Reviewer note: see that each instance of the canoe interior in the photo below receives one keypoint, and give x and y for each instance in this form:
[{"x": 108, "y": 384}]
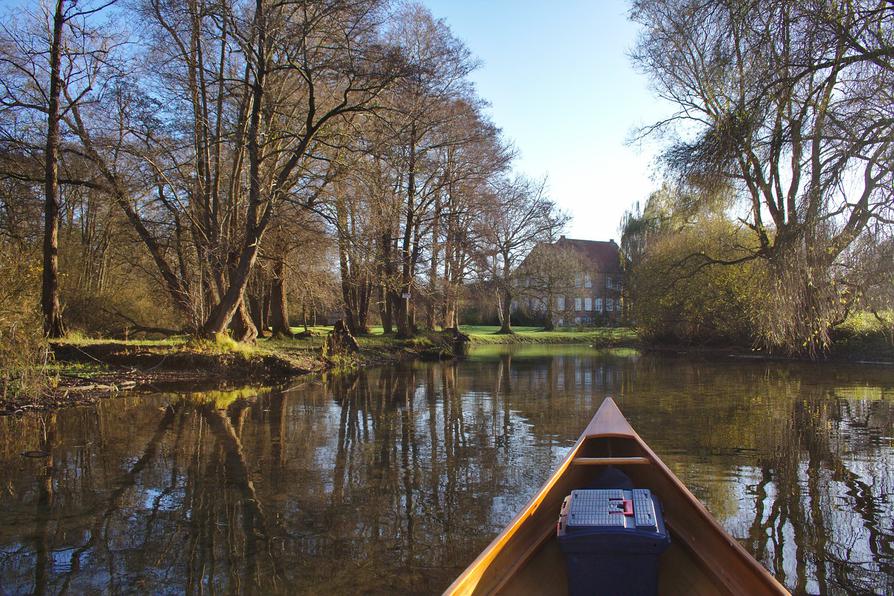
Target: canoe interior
[{"x": 701, "y": 559}]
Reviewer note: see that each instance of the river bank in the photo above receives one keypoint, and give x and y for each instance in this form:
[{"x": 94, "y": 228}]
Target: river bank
[{"x": 82, "y": 370}]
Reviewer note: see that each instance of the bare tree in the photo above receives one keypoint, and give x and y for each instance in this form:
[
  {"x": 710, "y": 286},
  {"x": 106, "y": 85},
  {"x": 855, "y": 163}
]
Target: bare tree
[
  {"x": 48, "y": 64},
  {"x": 549, "y": 271},
  {"x": 520, "y": 218},
  {"x": 791, "y": 104},
  {"x": 419, "y": 123}
]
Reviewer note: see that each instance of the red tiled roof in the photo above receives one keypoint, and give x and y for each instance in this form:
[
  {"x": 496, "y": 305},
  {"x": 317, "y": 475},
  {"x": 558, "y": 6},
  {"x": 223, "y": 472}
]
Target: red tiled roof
[{"x": 604, "y": 255}]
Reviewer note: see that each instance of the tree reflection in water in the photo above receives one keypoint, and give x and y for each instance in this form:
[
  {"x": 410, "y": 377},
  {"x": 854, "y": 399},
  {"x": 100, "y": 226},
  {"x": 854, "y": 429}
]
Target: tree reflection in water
[{"x": 393, "y": 479}]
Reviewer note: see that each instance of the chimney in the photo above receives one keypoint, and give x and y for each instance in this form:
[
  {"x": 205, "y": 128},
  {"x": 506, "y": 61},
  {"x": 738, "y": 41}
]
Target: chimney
[{"x": 562, "y": 238}]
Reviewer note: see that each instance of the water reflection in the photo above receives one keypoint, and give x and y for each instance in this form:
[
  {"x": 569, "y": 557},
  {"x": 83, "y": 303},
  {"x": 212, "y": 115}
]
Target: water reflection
[{"x": 392, "y": 480}]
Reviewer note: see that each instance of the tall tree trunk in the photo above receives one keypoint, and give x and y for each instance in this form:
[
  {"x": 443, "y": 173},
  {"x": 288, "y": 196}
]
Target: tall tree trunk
[
  {"x": 385, "y": 310},
  {"x": 349, "y": 282},
  {"x": 279, "y": 306},
  {"x": 52, "y": 310},
  {"x": 549, "y": 305},
  {"x": 363, "y": 293},
  {"x": 386, "y": 271},
  {"x": 241, "y": 324},
  {"x": 450, "y": 310},
  {"x": 505, "y": 298},
  {"x": 232, "y": 299},
  {"x": 433, "y": 291},
  {"x": 449, "y": 303},
  {"x": 548, "y": 323},
  {"x": 256, "y": 303},
  {"x": 402, "y": 312}
]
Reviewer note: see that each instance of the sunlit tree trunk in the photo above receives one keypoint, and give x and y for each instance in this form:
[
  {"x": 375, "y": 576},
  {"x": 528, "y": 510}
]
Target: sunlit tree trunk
[
  {"x": 279, "y": 305},
  {"x": 52, "y": 310}
]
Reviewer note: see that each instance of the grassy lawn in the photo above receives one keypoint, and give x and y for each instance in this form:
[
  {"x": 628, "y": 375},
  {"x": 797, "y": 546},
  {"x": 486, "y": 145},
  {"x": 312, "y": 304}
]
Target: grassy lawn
[
  {"x": 486, "y": 334},
  {"x": 479, "y": 334}
]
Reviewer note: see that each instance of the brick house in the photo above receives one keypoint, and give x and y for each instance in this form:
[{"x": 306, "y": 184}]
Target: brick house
[{"x": 591, "y": 295}]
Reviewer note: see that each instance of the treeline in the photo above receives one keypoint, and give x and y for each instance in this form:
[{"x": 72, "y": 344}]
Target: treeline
[
  {"x": 778, "y": 220},
  {"x": 233, "y": 166}
]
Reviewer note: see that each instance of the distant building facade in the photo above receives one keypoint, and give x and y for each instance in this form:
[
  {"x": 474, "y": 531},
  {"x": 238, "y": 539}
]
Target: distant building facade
[{"x": 587, "y": 291}]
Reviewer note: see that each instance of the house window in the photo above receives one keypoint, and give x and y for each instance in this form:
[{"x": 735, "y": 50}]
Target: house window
[
  {"x": 598, "y": 304},
  {"x": 608, "y": 282},
  {"x": 609, "y": 304},
  {"x": 577, "y": 278},
  {"x": 560, "y": 302},
  {"x": 588, "y": 303},
  {"x": 577, "y": 304},
  {"x": 588, "y": 283}
]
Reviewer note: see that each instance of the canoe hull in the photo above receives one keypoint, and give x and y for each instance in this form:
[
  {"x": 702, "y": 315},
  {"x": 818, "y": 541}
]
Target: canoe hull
[{"x": 703, "y": 559}]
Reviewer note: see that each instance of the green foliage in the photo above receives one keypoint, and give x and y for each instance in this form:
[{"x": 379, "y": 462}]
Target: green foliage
[
  {"x": 680, "y": 295},
  {"x": 867, "y": 323},
  {"x": 865, "y": 335}
]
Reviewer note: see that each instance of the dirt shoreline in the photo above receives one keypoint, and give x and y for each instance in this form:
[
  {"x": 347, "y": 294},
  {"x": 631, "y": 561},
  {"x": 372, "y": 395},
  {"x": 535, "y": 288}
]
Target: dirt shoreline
[{"x": 107, "y": 369}]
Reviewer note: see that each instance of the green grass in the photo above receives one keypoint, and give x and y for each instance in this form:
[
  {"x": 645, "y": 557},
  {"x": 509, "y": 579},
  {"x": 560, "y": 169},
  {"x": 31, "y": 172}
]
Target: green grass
[
  {"x": 866, "y": 324},
  {"x": 224, "y": 344},
  {"x": 863, "y": 336},
  {"x": 485, "y": 334},
  {"x": 373, "y": 344},
  {"x": 76, "y": 338}
]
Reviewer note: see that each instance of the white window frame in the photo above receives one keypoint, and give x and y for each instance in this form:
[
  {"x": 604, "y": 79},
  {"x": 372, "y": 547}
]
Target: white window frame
[
  {"x": 588, "y": 303},
  {"x": 588, "y": 282},
  {"x": 577, "y": 304},
  {"x": 560, "y": 302},
  {"x": 598, "y": 304},
  {"x": 609, "y": 305}
]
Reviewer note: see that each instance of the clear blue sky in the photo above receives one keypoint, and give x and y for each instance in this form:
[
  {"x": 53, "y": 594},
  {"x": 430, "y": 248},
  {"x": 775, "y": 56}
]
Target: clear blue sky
[{"x": 565, "y": 93}]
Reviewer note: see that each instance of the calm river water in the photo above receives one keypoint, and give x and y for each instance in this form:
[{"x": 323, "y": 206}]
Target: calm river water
[{"x": 393, "y": 479}]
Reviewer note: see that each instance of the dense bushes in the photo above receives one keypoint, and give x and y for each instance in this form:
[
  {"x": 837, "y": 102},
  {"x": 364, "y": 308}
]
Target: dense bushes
[
  {"x": 693, "y": 277},
  {"x": 22, "y": 346},
  {"x": 680, "y": 296}
]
